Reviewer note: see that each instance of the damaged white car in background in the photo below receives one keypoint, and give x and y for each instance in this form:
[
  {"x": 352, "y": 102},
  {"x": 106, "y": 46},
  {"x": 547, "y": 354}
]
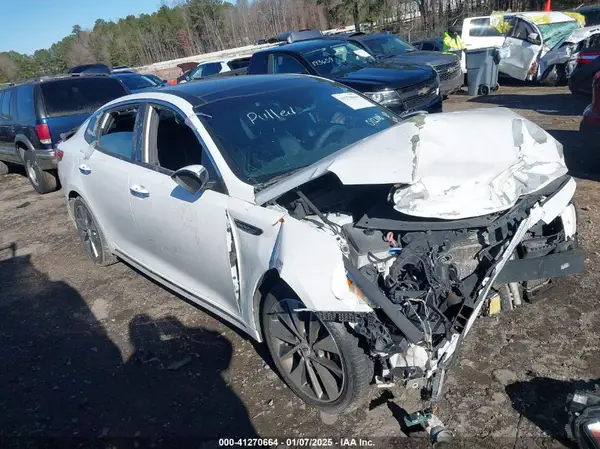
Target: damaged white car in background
[
  {"x": 538, "y": 45},
  {"x": 359, "y": 246}
]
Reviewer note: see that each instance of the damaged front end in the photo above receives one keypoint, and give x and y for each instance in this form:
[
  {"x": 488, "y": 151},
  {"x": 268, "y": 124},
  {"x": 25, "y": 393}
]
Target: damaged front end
[
  {"x": 427, "y": 280},
  {"x": 424, "y": 262}
]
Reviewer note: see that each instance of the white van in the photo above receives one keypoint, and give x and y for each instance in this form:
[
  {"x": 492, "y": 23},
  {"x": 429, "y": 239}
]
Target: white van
[{"x": 531, "y": 37}]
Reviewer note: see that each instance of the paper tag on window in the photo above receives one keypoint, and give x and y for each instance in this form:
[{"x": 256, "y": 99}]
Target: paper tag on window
[
  {"x": 353, "y": 100},
  {"x": 361, "y": 53}
]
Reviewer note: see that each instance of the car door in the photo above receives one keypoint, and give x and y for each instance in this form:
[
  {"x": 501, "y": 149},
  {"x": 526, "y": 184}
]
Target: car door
[
  {"x": 522, "y": 48},
  {"x": 2, "y": 131},
  {"x": 182, "y": 238},
  {"x": 104, "y": 167},
  {"x": 7, "y": 126}
]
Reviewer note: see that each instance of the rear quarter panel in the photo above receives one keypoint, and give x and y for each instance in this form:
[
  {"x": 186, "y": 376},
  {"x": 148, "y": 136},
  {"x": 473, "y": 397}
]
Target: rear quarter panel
[{"x": 68, "y": 172}]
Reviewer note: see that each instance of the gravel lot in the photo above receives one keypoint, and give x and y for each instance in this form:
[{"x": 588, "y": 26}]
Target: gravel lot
[{"x": 89, "y": 352}]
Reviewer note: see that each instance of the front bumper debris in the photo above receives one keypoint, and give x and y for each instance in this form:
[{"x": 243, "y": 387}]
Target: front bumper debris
[{"x": 551, "y": 266}]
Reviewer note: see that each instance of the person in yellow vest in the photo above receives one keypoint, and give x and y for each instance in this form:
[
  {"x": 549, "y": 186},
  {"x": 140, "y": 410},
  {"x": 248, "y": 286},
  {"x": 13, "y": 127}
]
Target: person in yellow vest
[{"x": 452, "y": 39}]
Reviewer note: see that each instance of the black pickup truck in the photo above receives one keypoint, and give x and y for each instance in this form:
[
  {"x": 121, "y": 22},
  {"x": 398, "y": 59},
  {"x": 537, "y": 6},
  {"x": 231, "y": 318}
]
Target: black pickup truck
[{"x": 403, "y": 88}]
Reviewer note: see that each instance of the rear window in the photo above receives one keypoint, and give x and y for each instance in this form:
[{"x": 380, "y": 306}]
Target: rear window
[
  {"x": 238, "y": 63},
  {"x": 482, "y": 28},
  {"x": 79, "y": 95}
]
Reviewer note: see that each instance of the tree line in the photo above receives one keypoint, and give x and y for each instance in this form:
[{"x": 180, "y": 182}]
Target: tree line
[{"x": 192, "y": 27}]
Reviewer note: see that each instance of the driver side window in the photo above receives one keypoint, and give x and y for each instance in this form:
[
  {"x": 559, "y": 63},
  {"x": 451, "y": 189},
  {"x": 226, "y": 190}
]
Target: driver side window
[
  {"x": 173, "y": 145},
  {"x": 115, "y": 136},
  {"x": 521, "y": 30}
]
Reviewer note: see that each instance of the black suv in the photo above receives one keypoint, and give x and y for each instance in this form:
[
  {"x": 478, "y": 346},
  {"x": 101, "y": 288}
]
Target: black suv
[
  {"x": 403, "y": 88},
  {"x": 33, "y": 115}
]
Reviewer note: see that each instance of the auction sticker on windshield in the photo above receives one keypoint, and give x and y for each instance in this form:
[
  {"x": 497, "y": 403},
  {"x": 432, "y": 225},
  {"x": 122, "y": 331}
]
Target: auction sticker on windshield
[
  {"x": 361, "y": 53},
  {"x": 353, "y": 100}
]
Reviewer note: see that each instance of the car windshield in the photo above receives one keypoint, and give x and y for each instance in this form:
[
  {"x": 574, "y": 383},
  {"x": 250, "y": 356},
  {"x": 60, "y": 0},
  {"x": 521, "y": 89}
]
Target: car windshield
[
  {"x": 137, "y": 82},
  {"x": 387, "y": 45},
  {"x": 338, "y": 58},
  {"x": 554, "y": 34},
  {"x": 269, "y": 129}
]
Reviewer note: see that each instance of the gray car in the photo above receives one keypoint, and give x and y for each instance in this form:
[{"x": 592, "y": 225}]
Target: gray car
[{"x": 393, "y": 49}]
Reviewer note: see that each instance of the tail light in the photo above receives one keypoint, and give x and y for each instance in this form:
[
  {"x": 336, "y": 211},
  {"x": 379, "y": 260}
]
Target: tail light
[
  {"x": 172, "y": 82},
  {"x": 43, "y": 132},
  {"x": 585, "y": 56},
  {"x": 59, "y": 155}
]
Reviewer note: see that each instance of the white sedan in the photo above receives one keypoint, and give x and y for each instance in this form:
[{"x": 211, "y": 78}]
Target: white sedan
[{"x": 359, "y": 246}]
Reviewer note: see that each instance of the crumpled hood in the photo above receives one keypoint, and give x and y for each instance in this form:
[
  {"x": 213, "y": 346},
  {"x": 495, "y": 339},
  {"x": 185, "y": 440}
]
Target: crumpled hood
[
  {"x": 582, "y": 33},
  {"x": 453, "y": 165}
]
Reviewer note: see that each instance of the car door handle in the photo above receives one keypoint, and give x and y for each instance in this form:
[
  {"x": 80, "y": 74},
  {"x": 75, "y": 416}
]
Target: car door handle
[
  {"x": 139, "y": 191},
  {"x": 84, "y": 169}
]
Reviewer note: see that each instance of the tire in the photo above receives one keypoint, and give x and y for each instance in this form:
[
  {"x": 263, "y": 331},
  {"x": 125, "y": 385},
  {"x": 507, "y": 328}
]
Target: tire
[
  {"x": 92, "y": 237},
  {"x": 42, "y": 181},
  {"x": 554, "y": 76},
  {"x": 3, "y": 168},
  {"x": 349, "y": 369},
  {"x": 484, "y": 89}
]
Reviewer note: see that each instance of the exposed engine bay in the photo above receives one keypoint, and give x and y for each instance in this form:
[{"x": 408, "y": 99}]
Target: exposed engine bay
[{"x": 428, "y": 279}]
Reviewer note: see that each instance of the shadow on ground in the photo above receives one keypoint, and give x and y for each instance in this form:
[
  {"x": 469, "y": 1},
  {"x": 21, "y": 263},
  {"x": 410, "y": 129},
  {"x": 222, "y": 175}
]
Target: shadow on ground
[
  {"x": 542, "y": 401},
  {"x": 564, "y": 104},
  {"x": 62, "y": 376}
]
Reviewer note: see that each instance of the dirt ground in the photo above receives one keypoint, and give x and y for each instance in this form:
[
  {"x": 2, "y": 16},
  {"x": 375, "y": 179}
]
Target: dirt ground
[{"x": 87, "y": 353}]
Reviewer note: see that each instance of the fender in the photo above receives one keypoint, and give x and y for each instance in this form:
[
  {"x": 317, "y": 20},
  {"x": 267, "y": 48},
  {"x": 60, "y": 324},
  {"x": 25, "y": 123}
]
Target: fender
[
  {"x": 24, "y": 140},
  {"x": 308, "y": 259}
]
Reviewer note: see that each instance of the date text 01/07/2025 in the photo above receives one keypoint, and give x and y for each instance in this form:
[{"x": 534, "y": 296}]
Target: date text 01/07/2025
[{"x": 296, "y": 442}]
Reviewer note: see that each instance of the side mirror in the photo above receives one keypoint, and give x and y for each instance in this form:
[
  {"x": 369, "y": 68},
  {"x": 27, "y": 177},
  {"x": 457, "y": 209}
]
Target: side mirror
[
  {"x": 192, "y": 178},
  {"x": 533, "y": 38}
]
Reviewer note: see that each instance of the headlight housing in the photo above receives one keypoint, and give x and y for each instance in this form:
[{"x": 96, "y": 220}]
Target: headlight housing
[
  {"x": 569, "y": 220},
  {"x": 384, "y": 96}
]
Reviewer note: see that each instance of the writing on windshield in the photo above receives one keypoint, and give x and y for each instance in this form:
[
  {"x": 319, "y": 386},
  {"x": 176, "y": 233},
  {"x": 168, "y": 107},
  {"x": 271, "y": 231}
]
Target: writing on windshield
[
  {"x": 338, "y": 58},
  {"x": 272, "y": 128}
]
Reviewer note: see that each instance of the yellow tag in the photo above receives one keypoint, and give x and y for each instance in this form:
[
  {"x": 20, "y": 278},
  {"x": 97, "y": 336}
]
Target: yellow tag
[{"x": 495, "y": 304}]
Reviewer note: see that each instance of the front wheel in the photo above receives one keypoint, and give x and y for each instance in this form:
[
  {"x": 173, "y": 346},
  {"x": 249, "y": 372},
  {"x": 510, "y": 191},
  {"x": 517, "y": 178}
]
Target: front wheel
[{"x": 321, "y": 362}]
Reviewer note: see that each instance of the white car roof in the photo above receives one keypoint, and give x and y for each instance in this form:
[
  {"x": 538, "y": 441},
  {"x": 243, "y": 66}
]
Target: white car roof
[{"x": 552, "y": 17}]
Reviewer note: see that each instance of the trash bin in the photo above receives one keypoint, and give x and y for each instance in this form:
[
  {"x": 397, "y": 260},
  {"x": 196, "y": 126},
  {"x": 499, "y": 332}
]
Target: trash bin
[{"x": 482, "y": 70}]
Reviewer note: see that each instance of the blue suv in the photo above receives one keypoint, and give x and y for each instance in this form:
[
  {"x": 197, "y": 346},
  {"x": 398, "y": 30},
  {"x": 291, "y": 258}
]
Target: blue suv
[{"x": 34, "y": 114}]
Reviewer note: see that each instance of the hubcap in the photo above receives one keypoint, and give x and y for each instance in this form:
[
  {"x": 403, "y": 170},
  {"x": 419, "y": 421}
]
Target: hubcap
[
  {"x": 31, "y": 173},
  {"x": 306, "y": 350},
  {"x": 88, "y": 231}
]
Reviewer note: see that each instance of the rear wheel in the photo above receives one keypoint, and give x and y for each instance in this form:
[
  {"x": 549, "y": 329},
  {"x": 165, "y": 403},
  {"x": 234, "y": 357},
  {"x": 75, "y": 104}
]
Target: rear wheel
[
  {"x": 42, "y": 181},
  {"x": 94, "y": 242},
  {"x": 321, "y": 362}
]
